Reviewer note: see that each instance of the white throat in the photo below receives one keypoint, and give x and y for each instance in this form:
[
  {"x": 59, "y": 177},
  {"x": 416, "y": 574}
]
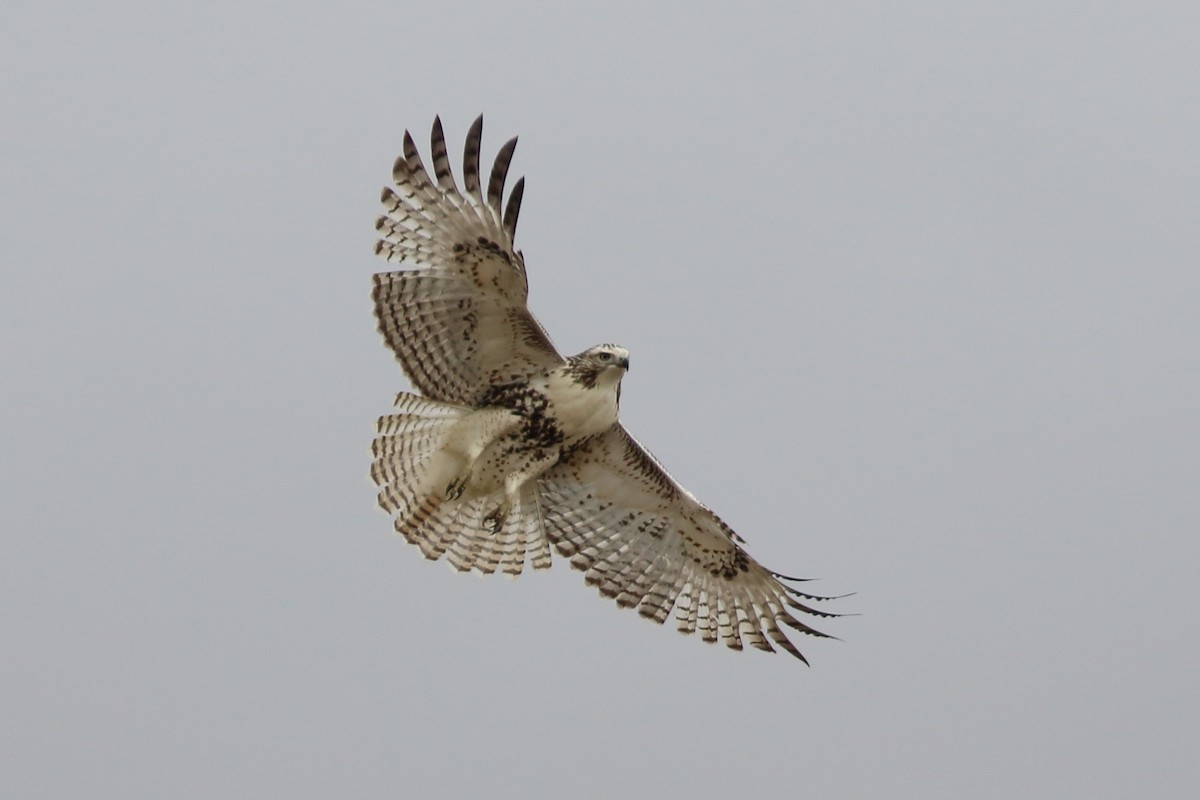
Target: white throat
[{"x": 584, "y": 410}]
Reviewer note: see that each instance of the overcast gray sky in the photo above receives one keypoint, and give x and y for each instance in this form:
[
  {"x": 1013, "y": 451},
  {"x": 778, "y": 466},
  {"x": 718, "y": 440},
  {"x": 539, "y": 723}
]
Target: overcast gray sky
[{"x": 913, "y": 297}]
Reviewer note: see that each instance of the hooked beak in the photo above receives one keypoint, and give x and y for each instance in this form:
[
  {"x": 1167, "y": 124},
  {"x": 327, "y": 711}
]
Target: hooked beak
[{"x": 623, "y": 363}]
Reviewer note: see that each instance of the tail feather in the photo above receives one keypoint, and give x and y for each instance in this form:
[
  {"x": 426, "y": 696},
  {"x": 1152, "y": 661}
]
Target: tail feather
[
  {"x": 458, "y": 530},
  {"x": 454, "y": 535},
  {"x": 405, "y": 450},
  {"x": 414, "y": 471}
]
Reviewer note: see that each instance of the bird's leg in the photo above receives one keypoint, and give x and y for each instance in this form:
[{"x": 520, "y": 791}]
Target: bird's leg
[
  {"x": 496, "y": 517},
  {"x": 456, "y": 487},
  {"x": 477, "y": 431},
  {"x": 512, "y": 486}
]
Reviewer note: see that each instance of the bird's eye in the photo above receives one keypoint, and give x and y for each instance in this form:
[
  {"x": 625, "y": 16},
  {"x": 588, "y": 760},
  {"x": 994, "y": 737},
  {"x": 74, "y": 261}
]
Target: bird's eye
[{"x": 606, "y": 356}]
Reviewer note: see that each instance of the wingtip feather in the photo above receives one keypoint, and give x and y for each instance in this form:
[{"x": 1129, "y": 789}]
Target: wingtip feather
[
  {"x": 513, "y": 210},
  {"x": 441, "y": 160},
  {"x": 500, "y": 175},
  {"x": 471, "y": 158}
]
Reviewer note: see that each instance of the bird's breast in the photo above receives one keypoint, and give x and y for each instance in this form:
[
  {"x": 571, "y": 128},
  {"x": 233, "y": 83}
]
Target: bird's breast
[{"x": 582, "y": 411}]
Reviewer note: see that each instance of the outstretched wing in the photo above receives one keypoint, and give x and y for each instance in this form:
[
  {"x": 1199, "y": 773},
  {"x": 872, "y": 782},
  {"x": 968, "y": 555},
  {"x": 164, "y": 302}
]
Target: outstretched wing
[
  {"x": 645, "y": 541},
  {"x": 457, "y": 320}
]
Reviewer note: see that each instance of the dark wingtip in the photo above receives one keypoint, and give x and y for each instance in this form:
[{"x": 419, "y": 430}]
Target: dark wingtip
[
  {"x": 513, "y": 210},
  {"x": 436, "y": 133},
  {"x": 441, "y": 163},
  {"x": 471, "y": 157},
  {"x": 781, "y": 576},
  {"x": 500, "y": 174},
  {"x": 805, "y": 595},
  {"x": 793, "y": 651}
]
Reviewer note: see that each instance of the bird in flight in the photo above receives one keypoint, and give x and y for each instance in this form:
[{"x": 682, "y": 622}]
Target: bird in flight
[{"x": 512, "y": 449}]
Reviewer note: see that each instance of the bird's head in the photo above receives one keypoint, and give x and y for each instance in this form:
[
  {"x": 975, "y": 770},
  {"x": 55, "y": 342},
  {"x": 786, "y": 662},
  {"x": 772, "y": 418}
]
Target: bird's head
[
  {"x": 607, "y": 356},
  {"x": 601, "y": 366}
]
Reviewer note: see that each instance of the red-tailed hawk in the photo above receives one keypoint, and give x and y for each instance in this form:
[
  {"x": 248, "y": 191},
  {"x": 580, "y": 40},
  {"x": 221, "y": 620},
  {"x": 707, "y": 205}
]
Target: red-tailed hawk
[{"x": 514, "y": 449}]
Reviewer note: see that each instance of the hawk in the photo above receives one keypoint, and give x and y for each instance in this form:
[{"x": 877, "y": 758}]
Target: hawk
[{"x": 513, "y": 450}]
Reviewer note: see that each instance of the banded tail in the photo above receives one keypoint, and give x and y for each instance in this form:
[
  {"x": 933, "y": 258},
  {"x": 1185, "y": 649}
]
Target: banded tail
[{"x": 418, "y": 454}]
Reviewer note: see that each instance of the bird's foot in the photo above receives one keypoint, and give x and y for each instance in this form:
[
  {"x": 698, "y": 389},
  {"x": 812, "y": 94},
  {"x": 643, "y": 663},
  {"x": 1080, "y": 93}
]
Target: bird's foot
[
  {"x": 457, "y": 487},
  {"x": 496, "y": 517}
]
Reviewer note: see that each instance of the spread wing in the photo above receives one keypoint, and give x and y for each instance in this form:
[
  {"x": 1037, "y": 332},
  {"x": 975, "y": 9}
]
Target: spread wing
[
  {"x": 645, "y": 541},
  {"x": 457, "y": 319}
]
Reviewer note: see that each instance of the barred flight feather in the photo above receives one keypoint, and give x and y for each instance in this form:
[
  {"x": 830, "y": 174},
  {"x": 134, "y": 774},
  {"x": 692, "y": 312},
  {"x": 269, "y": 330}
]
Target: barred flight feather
[
  {"x": 500, "y": 174},
  {"x": 635, "y": 552},
  {"x": 461, "y": 246},
  {"x": 441, "y": 161},
  {"x": 471, "y": 158}
]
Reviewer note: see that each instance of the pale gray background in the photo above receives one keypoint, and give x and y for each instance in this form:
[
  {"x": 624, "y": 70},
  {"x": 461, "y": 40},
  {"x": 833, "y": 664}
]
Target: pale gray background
[{"x": 912, "y": 296}]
